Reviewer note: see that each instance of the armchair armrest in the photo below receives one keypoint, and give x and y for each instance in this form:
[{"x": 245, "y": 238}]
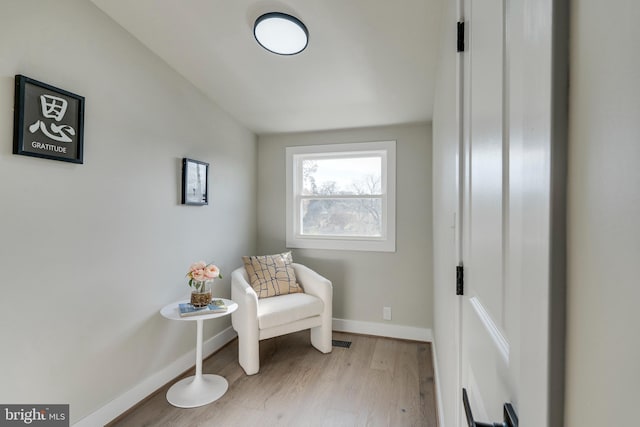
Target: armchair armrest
[
  {"x": 315, "y": 284},
  {"x": 321, "y": 287},
  {"x": 312, "y": 282},
  {"x": 244, "y": 295},
  {"x": 245, "y": 321}
]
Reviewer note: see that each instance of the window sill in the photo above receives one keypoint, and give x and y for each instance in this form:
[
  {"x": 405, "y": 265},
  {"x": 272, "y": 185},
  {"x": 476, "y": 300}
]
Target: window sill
[{"x": 342, "y": 244}]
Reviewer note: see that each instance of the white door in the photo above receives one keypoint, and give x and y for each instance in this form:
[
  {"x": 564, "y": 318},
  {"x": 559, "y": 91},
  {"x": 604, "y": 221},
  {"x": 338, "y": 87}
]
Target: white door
[
  {"x": 487, "y": 332},
  {"x": 509, "y": 209}
]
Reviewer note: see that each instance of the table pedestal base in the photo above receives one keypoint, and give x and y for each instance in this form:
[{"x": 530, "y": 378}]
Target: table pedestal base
[{"x": 192, "y": 392}]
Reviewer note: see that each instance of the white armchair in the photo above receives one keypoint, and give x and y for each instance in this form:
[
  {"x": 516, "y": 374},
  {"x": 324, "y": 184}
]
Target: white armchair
[{"x": 259, "y": 319}]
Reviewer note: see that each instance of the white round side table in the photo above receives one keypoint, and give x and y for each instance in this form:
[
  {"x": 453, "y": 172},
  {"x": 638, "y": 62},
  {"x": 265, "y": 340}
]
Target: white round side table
[{"x": 200, "y": 389}]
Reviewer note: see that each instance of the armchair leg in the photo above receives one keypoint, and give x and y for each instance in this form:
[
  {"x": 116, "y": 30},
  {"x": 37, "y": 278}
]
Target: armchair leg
[
  {"x": 321, "y": 338},
  {"x": 249, "y": 355}
]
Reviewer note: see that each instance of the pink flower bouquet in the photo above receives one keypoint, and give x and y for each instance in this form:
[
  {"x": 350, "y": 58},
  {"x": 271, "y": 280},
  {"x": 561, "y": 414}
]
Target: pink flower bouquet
[{"x": 201, "y": 272}]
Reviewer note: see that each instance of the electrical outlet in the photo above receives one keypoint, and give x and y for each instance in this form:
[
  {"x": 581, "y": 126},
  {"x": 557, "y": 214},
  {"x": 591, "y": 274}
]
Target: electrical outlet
[{"x": 386, "y": 313}]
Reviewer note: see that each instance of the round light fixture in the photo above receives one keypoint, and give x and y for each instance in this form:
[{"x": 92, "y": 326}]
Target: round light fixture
[{"x": 281, "y": 33}]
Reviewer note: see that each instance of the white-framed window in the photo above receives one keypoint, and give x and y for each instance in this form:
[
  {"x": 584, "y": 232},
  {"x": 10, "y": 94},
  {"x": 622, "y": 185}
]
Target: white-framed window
[{"x": 342, "y": 196}]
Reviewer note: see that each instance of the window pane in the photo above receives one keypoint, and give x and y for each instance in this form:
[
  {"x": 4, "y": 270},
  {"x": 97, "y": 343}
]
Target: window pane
[
  {"x": 342, "y": 217},
  {"x": 354, "y": 176}
]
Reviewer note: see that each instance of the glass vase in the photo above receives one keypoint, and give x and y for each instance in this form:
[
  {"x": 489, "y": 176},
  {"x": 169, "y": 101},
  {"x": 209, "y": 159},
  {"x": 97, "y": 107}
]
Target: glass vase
[{"x": 201, "y": 295}]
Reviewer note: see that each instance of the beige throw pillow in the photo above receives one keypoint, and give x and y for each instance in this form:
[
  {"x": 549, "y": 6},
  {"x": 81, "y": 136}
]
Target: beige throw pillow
[{"x": 271, "y": 275}]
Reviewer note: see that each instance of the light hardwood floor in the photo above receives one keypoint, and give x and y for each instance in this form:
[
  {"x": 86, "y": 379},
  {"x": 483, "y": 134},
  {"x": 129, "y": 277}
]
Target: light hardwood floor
[{"x": 376, "y": 382}]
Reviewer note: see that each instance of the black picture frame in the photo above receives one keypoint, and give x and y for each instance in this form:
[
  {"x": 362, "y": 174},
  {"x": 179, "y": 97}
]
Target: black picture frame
[
  {"x": 195, "y": 182},
  {"x": 48, "y": 121}
]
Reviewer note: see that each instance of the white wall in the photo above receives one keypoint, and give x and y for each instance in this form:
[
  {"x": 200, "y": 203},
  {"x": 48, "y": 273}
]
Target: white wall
[
  {"x": 363, "y": 282},
  {"x": 90, "y": 253},
  {"x": 603, "y": 344}
]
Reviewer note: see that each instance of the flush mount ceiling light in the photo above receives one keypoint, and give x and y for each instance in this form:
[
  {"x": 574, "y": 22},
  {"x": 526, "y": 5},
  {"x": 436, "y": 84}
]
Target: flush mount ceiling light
[{"x": 281, "y": 33}]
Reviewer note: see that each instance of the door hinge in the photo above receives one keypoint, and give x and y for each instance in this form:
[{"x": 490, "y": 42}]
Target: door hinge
[
  {"x": 460, "y": 41},
  {"x": 459, "y": 280}
]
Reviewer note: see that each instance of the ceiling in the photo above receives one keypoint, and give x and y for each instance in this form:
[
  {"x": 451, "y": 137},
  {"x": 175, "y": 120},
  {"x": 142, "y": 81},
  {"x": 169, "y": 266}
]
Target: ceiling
[{"x": 368, "y": 62}]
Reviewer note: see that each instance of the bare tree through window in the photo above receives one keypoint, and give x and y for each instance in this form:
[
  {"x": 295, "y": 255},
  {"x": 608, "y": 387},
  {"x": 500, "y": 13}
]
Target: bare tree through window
[{"x": 348, "y": 203}]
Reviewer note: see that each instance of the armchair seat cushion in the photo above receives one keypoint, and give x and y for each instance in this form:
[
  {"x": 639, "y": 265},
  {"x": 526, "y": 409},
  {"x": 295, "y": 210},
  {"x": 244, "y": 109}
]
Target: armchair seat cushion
[{"x": 283, "y": 309}]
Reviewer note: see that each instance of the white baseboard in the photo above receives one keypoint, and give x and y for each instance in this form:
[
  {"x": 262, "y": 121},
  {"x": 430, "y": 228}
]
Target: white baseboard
[
  {"x": 383, "y": 330},
  {"x": 130, "y": 398},
  {"x": 436, "y": 381}
]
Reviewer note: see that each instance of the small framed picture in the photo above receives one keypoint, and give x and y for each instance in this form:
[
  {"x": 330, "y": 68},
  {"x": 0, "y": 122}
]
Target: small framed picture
[
  {"x": 48, "y": 122},
  {"x": 195, "y": 182}
]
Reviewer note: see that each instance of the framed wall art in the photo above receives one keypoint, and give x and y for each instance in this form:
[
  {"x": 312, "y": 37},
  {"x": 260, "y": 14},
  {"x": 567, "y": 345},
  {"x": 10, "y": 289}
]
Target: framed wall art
[
  {"x": 48, "y": 121},
  {"x": 195, "y": 183}
]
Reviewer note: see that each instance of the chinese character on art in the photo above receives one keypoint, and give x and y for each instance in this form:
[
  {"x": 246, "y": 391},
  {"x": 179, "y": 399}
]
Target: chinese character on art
[{"x": 54, "y": 108}]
